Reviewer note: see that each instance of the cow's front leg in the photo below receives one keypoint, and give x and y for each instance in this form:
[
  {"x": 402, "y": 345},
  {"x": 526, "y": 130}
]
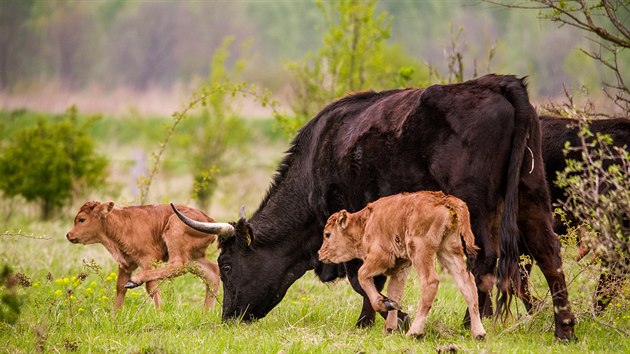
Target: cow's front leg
[{"x": 123, "y": 276}]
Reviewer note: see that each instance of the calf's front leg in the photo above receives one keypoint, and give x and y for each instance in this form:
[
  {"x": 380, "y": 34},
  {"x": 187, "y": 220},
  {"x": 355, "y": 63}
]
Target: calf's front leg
[
  {"x": 121, "y": 290},
  {"x": 372, "y": 267},
  {"x": 395, "y": 289}
]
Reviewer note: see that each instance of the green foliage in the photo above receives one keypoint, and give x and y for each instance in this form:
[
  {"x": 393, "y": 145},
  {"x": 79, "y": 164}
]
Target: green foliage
[
  {"x": 217, "y": 128},
  {"x": 51, "y": 162},
  {"x": 598, "y": 191},
  {"x": 354, "y": 56}
]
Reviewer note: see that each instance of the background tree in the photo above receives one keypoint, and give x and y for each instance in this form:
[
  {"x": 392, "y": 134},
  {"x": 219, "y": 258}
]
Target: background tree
[
  {"x": 51, "y": 162},
  {"x": 605, "y": 23},
  {"x": 354, "y": 56}
]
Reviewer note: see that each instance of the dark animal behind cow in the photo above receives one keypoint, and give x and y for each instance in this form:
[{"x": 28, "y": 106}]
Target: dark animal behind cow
[
  {"x": 556, "y": 132},
  {"x": 469, "y": 140}
]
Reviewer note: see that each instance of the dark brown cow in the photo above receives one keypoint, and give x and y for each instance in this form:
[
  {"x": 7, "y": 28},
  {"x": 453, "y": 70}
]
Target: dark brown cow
[
  {"x": 410, "y": 227},
  {"x": 478, "y": 140},
  {"x": 139, "y": 236}
]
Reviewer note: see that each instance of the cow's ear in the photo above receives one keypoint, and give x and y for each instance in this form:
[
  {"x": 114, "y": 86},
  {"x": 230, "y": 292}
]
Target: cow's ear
[
  {"x": 343, "y": 219},
  {"x": 106, "y": 208}
]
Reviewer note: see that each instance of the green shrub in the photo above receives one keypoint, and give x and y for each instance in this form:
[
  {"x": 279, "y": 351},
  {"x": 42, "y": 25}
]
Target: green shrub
[{"x": 51, "y": 162}]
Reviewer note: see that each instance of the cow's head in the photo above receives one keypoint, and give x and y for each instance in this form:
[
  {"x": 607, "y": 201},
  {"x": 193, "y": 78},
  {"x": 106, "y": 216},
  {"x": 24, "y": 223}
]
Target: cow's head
[
  {"x": 340, "y": 239},
  {"x": 255, "y": 275},
  {"x": 89, "y": 223}
]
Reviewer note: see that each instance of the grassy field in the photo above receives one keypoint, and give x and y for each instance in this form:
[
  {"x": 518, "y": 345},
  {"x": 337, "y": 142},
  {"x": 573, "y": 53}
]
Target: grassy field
[{"x": 67, "y": 290}]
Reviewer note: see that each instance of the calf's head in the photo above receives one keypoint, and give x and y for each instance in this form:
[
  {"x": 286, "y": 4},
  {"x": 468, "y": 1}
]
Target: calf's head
[
  {"x": 342, "y": 236},
  {"x": 89, "y": 223}
]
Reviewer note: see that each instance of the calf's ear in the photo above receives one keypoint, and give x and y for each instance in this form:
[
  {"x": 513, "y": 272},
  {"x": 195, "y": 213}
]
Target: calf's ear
[
  {"x": 106, "y": 208},
  {"x": 343, "y": 219}
]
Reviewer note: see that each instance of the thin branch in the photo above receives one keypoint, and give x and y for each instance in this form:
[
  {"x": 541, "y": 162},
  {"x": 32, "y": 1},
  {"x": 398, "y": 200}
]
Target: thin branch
[{"x": 19, "y": 234}]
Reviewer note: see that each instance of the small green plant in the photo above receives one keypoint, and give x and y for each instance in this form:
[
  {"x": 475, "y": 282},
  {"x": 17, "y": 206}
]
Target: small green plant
[
  {"x": 51, "y": 162},
  {"x": 218, "y": 128}
]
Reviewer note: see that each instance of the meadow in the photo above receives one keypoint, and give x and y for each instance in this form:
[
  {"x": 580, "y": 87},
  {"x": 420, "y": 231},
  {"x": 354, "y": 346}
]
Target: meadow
[{"x": 67, "y": 291}]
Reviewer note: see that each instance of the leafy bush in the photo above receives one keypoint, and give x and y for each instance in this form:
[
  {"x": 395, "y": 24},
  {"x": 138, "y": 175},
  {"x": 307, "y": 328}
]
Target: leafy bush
[
  {"x": 598, "y": 195},
  {"x": 51, "y": 162}
]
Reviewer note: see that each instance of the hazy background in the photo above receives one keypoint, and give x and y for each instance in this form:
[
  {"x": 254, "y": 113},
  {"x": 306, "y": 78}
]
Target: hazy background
[{"x": 147, "y": 55}]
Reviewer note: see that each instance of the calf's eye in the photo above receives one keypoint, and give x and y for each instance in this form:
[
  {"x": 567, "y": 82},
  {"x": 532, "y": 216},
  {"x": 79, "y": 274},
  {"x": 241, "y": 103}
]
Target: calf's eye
[
  {"x": 81, "y": 219},
  {"x": 226, "y": 268},
  {"x": 327, "y": 235}
]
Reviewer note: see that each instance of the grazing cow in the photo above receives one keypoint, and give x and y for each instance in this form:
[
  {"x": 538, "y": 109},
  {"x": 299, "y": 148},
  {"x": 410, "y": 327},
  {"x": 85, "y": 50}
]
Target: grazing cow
[
  {"x": 140, "y": 236},
  {"x": 410, "y": 227},
  {"x": 556, "y": 132},
  {"x": 478, "y": 140}
]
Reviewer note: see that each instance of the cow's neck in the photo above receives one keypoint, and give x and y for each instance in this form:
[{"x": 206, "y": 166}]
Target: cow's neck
[{"x": 287, "y": 217}]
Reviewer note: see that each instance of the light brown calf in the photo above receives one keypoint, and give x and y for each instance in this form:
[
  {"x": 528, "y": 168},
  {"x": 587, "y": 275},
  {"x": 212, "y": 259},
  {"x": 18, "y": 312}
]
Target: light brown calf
[
  {"x": 139, "y": 236},
  {"x": 393, "y": 231}
]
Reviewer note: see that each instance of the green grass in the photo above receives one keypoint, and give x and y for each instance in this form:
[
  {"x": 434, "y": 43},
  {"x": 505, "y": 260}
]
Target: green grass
[{"x": 313, "y": 317}]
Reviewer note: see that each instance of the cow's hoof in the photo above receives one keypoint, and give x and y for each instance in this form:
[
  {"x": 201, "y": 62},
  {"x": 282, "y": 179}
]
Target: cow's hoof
[
  {"x": 365, "y": 322},
  {"x": 131, "y": 285},
  {"x": 390, "y": 305},
  {"x": 404, "y": 322}
]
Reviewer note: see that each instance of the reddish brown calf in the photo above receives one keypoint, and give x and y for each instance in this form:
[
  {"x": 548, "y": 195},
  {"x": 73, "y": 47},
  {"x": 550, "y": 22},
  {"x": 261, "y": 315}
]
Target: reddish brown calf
[
  {"x": 394, "y": 231},
  {"x": 139, "y": 236}
]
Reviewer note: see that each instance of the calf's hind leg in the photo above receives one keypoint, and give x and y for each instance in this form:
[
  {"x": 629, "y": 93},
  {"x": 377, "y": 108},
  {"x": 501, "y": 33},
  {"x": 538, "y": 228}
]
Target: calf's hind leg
[
  {"x": 209, "y": 273},
  {"x": 423, "y": 261},
  {"x": 452, "y": 258}
]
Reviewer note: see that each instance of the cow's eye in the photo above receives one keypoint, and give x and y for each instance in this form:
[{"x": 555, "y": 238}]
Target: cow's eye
[
  {"x": 226, "y": 268},
  {"x": 327, "y": 235},
  {"x": 81, "y": 219}
]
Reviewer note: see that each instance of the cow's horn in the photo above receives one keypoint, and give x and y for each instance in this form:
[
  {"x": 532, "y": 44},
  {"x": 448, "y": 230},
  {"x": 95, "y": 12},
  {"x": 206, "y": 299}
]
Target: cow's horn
[{"x": 217, "y": 228}]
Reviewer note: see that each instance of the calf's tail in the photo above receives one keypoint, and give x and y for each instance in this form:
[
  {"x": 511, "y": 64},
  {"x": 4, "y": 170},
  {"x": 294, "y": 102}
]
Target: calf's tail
[{"x": 463, "y": 228}]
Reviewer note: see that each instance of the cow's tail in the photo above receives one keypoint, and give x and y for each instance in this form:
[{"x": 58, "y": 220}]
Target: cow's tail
[
  {"x": 508, "y": 273},
  {"x": 463, "y": 228}
]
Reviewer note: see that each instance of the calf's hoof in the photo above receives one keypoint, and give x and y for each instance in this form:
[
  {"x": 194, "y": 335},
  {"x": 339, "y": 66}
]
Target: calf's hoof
[
  {"x": 480, "y": 336},
  {"x": 390, "y": 305},
  {"x": 418, "y": 336},
  {"x": 131, "y": 285}
]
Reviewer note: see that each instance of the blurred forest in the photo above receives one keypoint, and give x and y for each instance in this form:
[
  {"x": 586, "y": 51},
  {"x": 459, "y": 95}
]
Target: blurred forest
[{"x": 61, "y": 47}]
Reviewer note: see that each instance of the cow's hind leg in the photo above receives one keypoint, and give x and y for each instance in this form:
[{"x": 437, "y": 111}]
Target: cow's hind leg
[
  {"x": 544, "y": 246},
  {"x": 423, "y": 261},
  {"x": 452, "y": 258}
]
